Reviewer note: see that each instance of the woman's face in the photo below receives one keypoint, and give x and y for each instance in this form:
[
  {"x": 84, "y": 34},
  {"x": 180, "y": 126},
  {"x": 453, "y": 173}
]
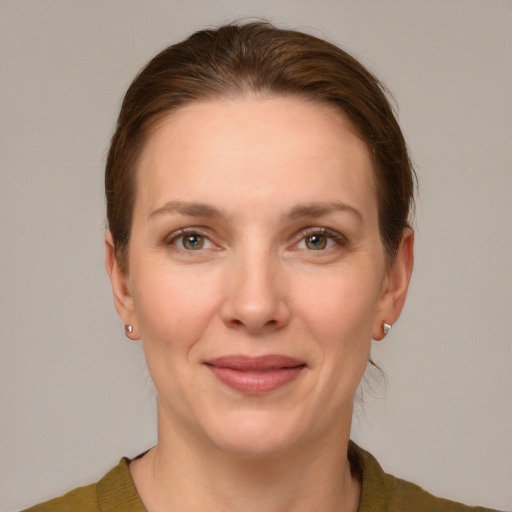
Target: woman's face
[{"x": 257, "y": 276}]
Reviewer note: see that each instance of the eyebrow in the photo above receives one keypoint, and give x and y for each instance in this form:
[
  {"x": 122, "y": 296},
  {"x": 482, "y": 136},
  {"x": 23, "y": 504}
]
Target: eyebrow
[
  {"x": 190, "y": 209},
  {"x": 194, "y": 209},
  {"x": 319, "y": 209}
]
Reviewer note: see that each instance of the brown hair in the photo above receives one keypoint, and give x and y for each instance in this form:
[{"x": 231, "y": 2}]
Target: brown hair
[{"x": 235, "y": 60}]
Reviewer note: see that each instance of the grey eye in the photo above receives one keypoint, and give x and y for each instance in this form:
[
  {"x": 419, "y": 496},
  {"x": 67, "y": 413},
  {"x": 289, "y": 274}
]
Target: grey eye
[
  {"x": 316, "y": 242},
  {"x": 193, "y": 241}
]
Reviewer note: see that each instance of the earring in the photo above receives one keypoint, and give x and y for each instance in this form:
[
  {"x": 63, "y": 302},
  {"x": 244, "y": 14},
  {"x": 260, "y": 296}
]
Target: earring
[
  {"x": 386, "y": 327},
  {"x": 128, "y": 329}
]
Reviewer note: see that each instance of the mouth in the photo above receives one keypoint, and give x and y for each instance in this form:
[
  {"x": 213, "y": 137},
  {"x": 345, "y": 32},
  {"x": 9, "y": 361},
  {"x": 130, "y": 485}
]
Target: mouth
[{"x": 256, "y": 375}]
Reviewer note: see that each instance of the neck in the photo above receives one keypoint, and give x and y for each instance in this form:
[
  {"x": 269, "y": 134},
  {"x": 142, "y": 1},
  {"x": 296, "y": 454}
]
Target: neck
[{"x": 186, "y": 473}]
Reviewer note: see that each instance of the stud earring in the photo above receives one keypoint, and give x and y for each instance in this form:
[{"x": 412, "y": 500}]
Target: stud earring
[
  {"x": 128, "y": 329},
  {"x": 386, "y": 327}
]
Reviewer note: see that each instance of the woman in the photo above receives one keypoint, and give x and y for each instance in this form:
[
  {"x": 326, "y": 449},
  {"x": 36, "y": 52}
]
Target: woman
[{"x": 258, "y": 194}]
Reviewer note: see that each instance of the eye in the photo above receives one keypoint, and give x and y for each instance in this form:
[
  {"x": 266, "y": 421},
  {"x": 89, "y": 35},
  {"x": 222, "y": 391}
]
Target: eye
[
  {"x": 316, "y": 242},
  {"x": 190, "y": 240},
  {"x": 320, "y": 239}
]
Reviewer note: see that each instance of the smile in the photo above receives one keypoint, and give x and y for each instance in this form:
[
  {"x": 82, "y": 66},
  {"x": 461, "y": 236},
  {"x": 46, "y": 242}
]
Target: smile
[{"x": 256, "y": 375}]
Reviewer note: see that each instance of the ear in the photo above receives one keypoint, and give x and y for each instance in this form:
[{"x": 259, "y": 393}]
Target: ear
[
  {"x": 395, "y": 286},
  {"x": 123, "y": 299}
]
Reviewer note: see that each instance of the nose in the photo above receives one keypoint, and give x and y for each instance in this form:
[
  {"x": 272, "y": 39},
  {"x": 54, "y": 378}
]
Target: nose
[{"x": 255, "y": 294}]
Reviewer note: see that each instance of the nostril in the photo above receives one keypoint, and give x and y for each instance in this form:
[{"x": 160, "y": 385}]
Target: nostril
[
  {"x": 236, "y": 322},
  {"x": 255, "y": 309}
]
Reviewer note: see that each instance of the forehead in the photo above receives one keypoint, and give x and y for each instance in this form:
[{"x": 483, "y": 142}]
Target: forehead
[{"x": 218, "y": 150}]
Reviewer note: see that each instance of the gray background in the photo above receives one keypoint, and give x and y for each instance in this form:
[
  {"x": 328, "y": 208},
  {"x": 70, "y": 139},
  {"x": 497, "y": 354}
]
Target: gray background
[{"x": 75, "y": 396}]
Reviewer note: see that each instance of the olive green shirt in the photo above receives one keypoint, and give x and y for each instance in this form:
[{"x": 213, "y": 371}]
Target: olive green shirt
[{"x": 380, "y": 492}]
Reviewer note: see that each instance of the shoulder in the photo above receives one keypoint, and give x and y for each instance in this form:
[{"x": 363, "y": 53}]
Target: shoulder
[
  {"x": 83, "y": 499},
  {"x": 386, "y": 493},
  {"x": 114, "y": 492}
]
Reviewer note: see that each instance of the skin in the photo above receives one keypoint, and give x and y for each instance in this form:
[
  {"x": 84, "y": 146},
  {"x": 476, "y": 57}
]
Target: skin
[{"x": 264, "y": 277}]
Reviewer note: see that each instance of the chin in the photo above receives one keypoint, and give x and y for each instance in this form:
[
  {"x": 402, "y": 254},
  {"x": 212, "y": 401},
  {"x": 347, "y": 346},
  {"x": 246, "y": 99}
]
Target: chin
[{"x": 256, "y": 434}]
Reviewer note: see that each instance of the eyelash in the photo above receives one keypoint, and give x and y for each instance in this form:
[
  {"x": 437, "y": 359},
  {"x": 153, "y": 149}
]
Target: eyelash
[
  {"x": 330, "y": 234},
  {"x": 181, "y": 233}
]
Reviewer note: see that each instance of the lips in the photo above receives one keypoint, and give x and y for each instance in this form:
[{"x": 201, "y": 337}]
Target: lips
[{"x": 256, "y": 375}]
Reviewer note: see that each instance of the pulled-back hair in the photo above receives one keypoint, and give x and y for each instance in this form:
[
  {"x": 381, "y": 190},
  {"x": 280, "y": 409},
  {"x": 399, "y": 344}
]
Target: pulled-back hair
[{"x": 258, "y": 58}]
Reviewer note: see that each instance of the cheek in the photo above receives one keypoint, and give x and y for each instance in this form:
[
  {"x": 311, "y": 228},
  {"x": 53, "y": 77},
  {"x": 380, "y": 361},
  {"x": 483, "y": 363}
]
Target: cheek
[
  {"x": 339, "y": 314},
  {"x": 175, "y": 305},
  {"x": 336, "y": 317},
  {"x": 341, "y": 303},
  {"x": 174, "y": 309}
]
